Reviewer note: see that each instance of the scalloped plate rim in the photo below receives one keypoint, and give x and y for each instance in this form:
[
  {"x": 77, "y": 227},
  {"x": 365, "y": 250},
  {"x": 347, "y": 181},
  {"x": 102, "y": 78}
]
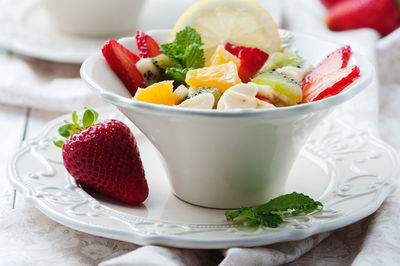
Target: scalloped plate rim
[{"x": 187, "y": 242}]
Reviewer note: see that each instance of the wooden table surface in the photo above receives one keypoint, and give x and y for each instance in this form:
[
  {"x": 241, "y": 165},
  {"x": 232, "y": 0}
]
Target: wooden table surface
[{"x": 17, "y": 125}]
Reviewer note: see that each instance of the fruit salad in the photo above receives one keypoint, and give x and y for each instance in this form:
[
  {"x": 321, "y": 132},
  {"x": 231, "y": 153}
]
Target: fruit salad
[{"x": 226, "y": 56}]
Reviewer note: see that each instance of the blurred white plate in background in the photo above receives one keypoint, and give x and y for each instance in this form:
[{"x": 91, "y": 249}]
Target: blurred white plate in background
[{"x": 25, "y": 28}]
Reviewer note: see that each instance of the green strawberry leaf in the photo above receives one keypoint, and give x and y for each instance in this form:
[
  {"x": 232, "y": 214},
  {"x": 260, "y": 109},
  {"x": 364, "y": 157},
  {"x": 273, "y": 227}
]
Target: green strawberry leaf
[
  {"x": 74, "y": 118},
  {"x": 89, "y": 118},
  {"x": 63, "y": 131},
  {"x": 59, "y": 143},
  {"x": 96, "y": 115}
]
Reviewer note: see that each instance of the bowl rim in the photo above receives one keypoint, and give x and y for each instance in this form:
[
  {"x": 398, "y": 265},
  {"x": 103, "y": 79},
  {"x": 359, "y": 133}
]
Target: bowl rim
[{"x": 365, "y": 79}]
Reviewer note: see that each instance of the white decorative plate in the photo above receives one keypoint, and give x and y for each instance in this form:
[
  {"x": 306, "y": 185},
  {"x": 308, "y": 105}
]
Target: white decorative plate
[
  {"x": 349, "y": 171},
  {"x": 26, "y": 29}
]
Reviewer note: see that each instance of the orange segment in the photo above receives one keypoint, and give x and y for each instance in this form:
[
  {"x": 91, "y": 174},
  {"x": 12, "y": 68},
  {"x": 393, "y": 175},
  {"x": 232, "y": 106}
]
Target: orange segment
[
  {"x": 158, "y": 93},
  {"x": 222, "y": 56},
  {"x": 219, "y": 76}
]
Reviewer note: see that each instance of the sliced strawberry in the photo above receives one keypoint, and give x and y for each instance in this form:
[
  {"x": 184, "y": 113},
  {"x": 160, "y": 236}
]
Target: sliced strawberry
[
  {"x": 123, "y": 63},
  {"x": 265, "y": 99},
  {"x": 330, "y": 85},
  {"x": 147, "y": 46},
  {"x": 233, "y": 49},
  {"x": 251, "y": 60},
  {"x": 333, "y": 62}
]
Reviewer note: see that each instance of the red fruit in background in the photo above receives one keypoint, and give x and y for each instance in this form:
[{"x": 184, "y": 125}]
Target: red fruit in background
[
  {"x": 104, "y": 157},
  {"x": 329, "y": 3},
  {"x": 123, "y": 63},
  {"x": 251, "y": 60},
  {"x": 333, "y": 62},
  {"x": 381, "y": 15},
  {"x": 331, "y": 84},
  {"x": 147, "y": 46}
]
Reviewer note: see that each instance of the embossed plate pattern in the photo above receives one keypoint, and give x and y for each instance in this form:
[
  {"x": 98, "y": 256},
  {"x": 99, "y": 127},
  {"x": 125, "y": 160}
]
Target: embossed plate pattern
[{"x": 351, "y": 172}]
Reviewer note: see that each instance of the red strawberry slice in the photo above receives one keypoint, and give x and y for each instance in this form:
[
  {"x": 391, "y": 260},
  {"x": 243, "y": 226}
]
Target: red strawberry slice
[
  {"x": 147, "y": 46},
  {"x": 381, "y": 15},
  {"x": 123, "y": 63},
  {"x": 105, "y": 157},
  {"x": 333, "y": 62},
  {"x": 330, "y": 85},
  {"x": 264, "y": 99},
  {"x": 251, "y": 60}
]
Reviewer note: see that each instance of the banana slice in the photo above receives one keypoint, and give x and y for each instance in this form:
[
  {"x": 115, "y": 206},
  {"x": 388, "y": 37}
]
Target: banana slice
[
  {"x": 149, "y": 71},
  {"x": 242, "y": 96},
  {"x": 292, "y": 72},
  {"x": 201, "y": 101},
  {"x": 182, "y": 92}
]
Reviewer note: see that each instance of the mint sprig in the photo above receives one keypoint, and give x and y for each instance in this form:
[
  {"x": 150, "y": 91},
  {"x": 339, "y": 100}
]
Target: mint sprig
[
  {"x": 185, "y": 53},
  {"x": 89, "y": 118},
  {"x": 271, "y": 214}
]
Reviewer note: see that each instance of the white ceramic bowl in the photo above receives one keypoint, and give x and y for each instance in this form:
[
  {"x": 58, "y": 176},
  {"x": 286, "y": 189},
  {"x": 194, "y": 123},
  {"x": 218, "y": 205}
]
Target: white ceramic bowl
[
  {"x": 225, "y": 159},
  {"x": 94, "y": 17}
]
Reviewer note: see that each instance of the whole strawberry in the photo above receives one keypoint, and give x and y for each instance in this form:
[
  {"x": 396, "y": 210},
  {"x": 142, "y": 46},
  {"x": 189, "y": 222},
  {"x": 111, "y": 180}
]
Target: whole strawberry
[
  {"x": 104, "y": 157},
  {"x": 381, "y": 15}
]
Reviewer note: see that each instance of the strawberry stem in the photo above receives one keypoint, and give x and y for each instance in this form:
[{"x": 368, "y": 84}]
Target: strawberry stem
[{"x": 89, "y": 118}]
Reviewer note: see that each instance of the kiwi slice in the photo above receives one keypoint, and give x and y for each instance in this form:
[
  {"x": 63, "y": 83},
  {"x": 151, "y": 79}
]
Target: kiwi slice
[
  {"x": 196, "y": 91},
  {"x": 286, "y": 91},
  {"x": 278, "y": 60},
  {"x": 162, "y": 61}
]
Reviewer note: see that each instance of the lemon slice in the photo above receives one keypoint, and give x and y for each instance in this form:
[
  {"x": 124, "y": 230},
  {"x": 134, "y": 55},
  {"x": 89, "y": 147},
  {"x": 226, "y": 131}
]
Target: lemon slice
[{"x": 240, "y": 22}]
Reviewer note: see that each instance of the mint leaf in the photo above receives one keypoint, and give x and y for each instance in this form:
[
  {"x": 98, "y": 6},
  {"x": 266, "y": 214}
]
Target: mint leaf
[
  {"x": 187, "y": 36},
  {"x": 185, "y": 53},
  {"x": 271, "y": 214},
  {"x": 174, "y": 52},
  {"x": 194, "y": 56},
  {"x": 295, "y": 202},
  {"x": 270, "y": 220},
  {"x": 177, "y": 74}
]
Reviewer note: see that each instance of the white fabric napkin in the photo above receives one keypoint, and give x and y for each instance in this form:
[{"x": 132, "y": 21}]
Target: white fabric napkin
[{"x": 45, "y": 85}]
